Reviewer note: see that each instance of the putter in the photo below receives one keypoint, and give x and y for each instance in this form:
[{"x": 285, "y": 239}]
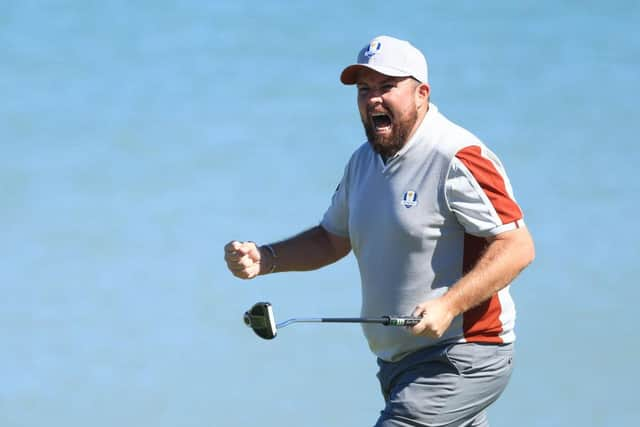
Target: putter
[{"x": 260, "y": 318}]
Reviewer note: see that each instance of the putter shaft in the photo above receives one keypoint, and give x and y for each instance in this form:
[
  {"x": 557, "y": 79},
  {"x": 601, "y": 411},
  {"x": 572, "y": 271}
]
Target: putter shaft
[{"x": 384, "y": 320}]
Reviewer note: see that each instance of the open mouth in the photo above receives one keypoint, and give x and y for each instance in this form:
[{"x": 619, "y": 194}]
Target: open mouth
[{"x": 381, "y": 122}]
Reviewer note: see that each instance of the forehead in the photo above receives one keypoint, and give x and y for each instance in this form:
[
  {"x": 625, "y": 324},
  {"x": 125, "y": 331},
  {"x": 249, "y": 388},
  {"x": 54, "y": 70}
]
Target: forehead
[{"x": 368, "y": 76}]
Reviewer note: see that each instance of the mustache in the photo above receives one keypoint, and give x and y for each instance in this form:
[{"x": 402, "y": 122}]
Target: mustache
[{"x": 373, "y": 110}]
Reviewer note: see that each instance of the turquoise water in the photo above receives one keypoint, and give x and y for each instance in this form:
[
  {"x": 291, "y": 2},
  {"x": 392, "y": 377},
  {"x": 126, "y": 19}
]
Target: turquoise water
[{"x": 137, "y": 138}]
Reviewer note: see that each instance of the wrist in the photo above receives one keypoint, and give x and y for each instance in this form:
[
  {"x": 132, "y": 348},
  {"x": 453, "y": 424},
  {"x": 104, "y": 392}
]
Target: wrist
[
  {"x": 450, "y": 303},
  {"x": 267, "y": 259}
]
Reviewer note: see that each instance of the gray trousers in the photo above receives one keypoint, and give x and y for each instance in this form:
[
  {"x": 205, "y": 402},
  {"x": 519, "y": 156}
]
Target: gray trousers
[{"x": 450, "y": 385}]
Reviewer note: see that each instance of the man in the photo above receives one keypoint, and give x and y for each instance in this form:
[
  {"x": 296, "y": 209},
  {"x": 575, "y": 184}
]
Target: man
[{"x": 429, "y": 212}]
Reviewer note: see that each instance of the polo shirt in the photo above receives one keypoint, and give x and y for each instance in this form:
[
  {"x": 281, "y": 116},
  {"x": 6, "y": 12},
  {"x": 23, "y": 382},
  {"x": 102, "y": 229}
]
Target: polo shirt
[{"x": 417, "y": 224}]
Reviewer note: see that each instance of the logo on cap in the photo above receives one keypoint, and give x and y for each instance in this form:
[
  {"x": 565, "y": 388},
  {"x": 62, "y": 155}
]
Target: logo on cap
[
  {"x": 373, "y": 48},
  {"x": 409, "y": 199}
]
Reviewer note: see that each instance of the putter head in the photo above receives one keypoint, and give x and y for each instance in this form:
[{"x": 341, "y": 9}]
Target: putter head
[{"x": 260, "y": 319}]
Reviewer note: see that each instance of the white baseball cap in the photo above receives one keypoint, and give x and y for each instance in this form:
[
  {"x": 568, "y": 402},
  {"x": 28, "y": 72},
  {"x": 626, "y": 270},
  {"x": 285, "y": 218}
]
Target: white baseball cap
[{"x": 389, "y": 56}]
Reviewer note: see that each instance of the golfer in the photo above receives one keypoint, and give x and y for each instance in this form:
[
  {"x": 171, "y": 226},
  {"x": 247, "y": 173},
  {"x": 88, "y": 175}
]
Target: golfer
[{"x": 430, "y": 215}]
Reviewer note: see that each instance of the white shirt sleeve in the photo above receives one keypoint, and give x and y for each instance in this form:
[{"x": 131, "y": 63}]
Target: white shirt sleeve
[
  {"x": 478, "y": 191},
  {"x": 336, "y": 218}
]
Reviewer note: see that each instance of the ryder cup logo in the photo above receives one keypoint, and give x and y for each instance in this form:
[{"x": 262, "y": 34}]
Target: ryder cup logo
[
  {"x": 409, "y": 199},
  {"x": 373, "y": 48}
]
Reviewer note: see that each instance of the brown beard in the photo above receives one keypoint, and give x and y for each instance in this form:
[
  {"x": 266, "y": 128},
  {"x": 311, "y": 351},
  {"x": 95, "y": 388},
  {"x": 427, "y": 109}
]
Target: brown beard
[{"x": 388, "y": 146}]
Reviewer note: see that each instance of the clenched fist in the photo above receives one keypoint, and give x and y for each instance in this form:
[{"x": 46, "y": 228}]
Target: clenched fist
[
  {"x": 436, "y": 318},
  {"x": 244, "y": 259}
]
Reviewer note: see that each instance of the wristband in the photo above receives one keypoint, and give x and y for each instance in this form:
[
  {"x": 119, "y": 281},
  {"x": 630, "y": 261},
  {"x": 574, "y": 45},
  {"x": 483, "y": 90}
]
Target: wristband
[{"x": 273, "y": 257}]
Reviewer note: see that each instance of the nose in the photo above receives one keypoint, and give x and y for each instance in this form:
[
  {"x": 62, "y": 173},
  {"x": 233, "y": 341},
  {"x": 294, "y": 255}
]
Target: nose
[{"x": 374, "y": 97}]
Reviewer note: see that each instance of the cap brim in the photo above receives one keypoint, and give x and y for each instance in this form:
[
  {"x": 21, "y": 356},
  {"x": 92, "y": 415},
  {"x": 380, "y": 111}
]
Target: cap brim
[{"x": 349, "y": 75}]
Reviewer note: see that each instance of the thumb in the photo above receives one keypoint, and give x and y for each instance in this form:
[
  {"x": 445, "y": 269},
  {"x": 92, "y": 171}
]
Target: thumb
[
  {"x": 419, "y": 311},
  {"x": 245, "y": 247},
  {"x": 253, "y": 251}
]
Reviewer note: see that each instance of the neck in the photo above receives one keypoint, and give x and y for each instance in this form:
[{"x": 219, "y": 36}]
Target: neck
[{"x": 421, "y": 115}]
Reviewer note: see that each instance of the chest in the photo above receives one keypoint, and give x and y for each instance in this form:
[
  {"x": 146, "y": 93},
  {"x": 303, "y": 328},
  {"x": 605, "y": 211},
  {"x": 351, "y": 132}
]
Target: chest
[{"x": 405, "y": 206}]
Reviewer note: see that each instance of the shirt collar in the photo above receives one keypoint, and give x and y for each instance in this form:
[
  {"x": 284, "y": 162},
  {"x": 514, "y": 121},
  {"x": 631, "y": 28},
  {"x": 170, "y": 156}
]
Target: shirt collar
[{"x": 418, "y": 135}]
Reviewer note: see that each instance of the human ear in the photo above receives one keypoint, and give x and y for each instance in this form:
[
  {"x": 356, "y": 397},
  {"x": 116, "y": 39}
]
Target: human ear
[{"x": 422, "y": 94}]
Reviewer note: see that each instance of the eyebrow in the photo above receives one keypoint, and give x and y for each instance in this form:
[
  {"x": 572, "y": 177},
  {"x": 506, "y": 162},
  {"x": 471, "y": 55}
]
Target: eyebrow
[{"x": 386, "y": 80}]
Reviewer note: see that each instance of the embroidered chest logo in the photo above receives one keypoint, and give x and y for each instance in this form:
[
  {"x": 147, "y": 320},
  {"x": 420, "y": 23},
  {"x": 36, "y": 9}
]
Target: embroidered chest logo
[{"x": 409, "y": 199}]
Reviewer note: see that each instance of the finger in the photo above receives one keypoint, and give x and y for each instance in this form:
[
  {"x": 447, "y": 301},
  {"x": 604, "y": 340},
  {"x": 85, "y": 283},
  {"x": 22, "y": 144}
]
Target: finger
[
  {"x": 254, "y": 252},
  {"x": 241, "y": 262},
  {"x": 247, "y": 247},
  {"x": 241, "y": 274},
  {"x": 421, "y": 330},
  {"x": 422, "y": 327},
  {"x": 232, "y": 246},
  {"x": 249, "y": 273},
  {"x": 235, "y": 267},
  {"x": 241, "y": 249},
  {"x": 247, "y": 252},
  {"x": 416, "y": 329},
  {"x": 246, "y": 261},
  {"x": 418, "y": 311},
  {"x": 428, "y": 329},
  {"x": 232, "y": 256}
]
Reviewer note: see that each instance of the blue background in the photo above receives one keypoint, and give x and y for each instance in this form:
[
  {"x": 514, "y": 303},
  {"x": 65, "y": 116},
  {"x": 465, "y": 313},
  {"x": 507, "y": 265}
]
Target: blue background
[{"x": 137, "y": 138}]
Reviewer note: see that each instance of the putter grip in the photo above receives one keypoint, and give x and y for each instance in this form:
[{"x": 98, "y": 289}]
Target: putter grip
[{"x": 401, "y": 320}]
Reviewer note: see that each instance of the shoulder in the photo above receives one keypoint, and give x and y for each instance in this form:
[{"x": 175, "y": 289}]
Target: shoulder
[
  {"x": 364, "y": 151},
  {"x": 363, "y": 155},
  {"x": 452, "y": 138},
  {"x": 460, "y": 145}
]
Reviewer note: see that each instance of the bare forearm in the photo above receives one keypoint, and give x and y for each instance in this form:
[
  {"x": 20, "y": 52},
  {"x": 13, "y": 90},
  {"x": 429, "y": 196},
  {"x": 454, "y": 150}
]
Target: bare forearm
[
  {"x": 309, "y": 250},
  {"x": 502, "y": 261},
  {"x": 506, "y": 255}
]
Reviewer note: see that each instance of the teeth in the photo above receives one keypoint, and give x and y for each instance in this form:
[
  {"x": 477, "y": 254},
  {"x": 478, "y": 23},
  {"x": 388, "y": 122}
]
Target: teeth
[{"x": 378, "y": 123}]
